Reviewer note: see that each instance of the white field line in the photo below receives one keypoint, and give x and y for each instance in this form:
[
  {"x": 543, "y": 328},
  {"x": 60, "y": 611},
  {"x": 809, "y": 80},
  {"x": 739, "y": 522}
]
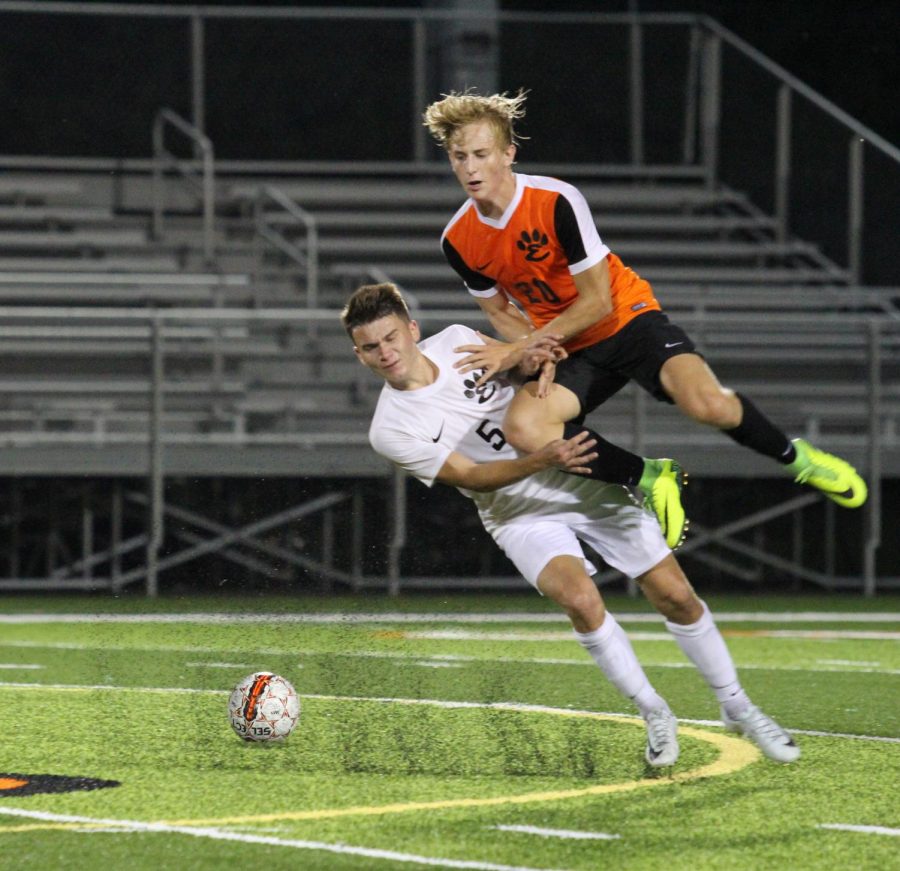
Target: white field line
[
  {"x": 399, "y": 655},
  {"x": 401, "y": 617},
  {"x": 224, "y": 835},
  {"x": 15, "y": 666},
  {"x": 544, "y": 635},
  {"x": 440, "y": 703},
  {"x": 559, "y": 833},
  {"x": 853, "y": 662},
  {"x": 224, "y": 665},
  {"x": 868, "y": 830}
]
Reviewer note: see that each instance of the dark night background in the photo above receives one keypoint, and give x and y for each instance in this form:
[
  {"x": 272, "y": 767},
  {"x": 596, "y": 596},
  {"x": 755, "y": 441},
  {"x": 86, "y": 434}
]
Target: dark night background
[{"x": 90, "y": 85}]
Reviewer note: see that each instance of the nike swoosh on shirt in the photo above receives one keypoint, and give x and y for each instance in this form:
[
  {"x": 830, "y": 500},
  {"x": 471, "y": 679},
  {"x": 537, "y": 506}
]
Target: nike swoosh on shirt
[
  {"x": 439, "y": 432},
  {"x": 483, "y": 266}
]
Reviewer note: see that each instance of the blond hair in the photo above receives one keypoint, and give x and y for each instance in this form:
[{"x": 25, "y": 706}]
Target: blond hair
[{"x": 447, "y": 116}]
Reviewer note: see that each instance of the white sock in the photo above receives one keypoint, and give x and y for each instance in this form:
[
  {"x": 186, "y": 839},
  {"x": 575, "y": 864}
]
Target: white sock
[
  {"x": 610, "y": 648},
  {"x": 703, "y": 645}
]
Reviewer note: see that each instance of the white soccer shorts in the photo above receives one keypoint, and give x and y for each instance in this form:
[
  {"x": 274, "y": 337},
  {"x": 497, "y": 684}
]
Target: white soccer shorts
[{"x": 620, "y": 531}]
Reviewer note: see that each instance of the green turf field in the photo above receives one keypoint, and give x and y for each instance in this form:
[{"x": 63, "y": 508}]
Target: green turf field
[{"x": 453, "y": 732}]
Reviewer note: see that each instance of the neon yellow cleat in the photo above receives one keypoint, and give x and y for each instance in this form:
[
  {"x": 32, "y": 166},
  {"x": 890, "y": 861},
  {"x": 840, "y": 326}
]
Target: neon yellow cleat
[
  {"x": 661, "y": 485},
  {"x": 835, "y": 477}
]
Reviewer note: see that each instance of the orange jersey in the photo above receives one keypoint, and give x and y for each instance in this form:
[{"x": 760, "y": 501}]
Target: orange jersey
[{"x": 545, "y": 236}]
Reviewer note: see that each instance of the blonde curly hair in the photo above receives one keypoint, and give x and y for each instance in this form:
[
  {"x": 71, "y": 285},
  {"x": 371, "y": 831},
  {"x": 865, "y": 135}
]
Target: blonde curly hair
[{"x": 444, "y": 118}]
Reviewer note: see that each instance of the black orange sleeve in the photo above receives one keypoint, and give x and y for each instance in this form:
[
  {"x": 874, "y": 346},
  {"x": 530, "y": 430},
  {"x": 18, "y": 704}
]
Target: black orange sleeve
[
  {"x": 566, "y": 226},
  {"x": 473, "y": 280}
]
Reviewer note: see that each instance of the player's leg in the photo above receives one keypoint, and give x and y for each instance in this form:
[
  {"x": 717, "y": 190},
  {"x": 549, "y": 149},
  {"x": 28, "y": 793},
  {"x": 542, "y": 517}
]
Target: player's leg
[
  {"x": 692, "y": 625},
  {"x": 697, "y": 392},
  {"x": 565, "y": 581},
  {"x": 532, "y": 421}
]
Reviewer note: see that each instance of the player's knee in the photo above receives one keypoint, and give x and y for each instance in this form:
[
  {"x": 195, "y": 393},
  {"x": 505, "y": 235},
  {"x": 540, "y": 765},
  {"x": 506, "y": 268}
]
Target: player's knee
[
  {"x": 714, "y": 407},
  {"x": 679, "y": 604},
  {"x": 521, "y": 434}
]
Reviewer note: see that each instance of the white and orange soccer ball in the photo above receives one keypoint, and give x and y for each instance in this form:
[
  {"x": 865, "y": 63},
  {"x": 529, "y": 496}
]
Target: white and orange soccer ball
[{"x": 264, "y": 707}]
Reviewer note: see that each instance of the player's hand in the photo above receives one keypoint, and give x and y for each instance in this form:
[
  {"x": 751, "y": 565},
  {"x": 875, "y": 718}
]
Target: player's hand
[
  {"x": 493, "y": 357},
  {"x": 540, "y": 351},
  {"x": 548, "y": 370},
  {"x": 571, "y": 455}
]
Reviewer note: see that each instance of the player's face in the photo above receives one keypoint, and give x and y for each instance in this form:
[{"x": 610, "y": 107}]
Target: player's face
[
  {"x": 388, "y": 347},
  {"x": 483, "y": 167}
]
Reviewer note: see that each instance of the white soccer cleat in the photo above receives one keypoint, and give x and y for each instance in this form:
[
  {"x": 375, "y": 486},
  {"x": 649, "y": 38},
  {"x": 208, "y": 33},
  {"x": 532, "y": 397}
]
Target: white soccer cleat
[
  {"x": 662, "y": 738},
  {"x": 763, "y": 731}
]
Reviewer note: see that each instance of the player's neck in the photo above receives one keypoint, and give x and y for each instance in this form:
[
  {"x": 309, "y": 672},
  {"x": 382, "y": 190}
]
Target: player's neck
[
  {"x": 422, "y": 373},
  {"x": 497, "y": 205}
]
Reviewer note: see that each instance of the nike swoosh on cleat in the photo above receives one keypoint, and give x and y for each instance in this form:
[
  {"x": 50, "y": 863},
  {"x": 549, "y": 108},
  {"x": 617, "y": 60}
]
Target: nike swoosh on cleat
[
  {"x": 673, "y": 344},
  {"x": 654, "y": 754}
]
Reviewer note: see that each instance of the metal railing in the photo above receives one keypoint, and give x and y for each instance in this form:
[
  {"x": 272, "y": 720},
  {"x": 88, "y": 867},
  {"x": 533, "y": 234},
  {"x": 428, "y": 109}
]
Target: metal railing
[
  {"x": 706, "y": 85},
  {"x": 163, "y": 161},
  {"x": 267, "y": 231},
  {"x": 866, "y": 344}
]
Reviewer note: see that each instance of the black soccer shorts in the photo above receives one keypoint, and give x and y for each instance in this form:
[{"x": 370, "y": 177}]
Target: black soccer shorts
[{"x": 635, "y": 353}]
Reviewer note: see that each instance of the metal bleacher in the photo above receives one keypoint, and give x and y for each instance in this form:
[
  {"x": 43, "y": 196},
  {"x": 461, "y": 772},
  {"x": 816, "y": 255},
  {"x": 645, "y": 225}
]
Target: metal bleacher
[{"x": 179, "y": 316}]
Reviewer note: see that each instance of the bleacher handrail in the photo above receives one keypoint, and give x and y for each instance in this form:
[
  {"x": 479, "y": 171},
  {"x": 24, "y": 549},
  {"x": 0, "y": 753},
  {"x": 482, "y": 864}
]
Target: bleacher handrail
[
  {"x": 164, "y": 160},
  {"x": 265, "y": 231}
]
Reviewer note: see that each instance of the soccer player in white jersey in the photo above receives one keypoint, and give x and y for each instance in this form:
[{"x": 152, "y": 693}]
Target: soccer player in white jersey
[{"x": 434, "y": 423}]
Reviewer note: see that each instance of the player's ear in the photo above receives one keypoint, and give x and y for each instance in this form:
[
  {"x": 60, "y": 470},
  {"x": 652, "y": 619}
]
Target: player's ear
[
  {"x": 510, "y": 154},
  {"x": 414, "y": 330}
]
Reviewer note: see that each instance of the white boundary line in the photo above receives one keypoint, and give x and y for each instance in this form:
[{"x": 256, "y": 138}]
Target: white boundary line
[
  {"x": 442, "y": 703},
  {"x": 559, "y": 833},
  {"x": 402, "y": 617},
  {"x": 223, "y": 835},
  {"x": 398, "y": 655},
  {"x": 868, "y": 830}
]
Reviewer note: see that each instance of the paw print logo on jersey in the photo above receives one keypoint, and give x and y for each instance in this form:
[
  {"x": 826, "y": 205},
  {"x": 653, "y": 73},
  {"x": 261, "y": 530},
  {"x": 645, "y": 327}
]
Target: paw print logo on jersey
[
  {"x": 484, "y": 393},
  {"x": 532, "y": 243}
]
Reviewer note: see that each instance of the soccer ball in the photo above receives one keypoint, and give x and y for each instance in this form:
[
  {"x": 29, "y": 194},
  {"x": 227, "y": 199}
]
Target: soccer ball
[{"x": 263, "y": 707}]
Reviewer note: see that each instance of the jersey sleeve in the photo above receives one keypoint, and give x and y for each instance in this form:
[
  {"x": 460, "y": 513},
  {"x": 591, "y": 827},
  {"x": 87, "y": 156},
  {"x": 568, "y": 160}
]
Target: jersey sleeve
[
  {"x": 420, "y": 458},
  {"x": 576, "y": 231},
  {"x": 477, "y": 284}
]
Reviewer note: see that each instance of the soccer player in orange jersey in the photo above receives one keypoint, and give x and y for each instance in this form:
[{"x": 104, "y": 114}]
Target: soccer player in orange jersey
[{"x": 528, "y": 244}]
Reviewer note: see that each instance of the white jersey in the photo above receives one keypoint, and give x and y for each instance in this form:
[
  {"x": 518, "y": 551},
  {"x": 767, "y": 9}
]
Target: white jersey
[
  {"x": 534, "y": 520},
  {"x": 418, "y": 429}
]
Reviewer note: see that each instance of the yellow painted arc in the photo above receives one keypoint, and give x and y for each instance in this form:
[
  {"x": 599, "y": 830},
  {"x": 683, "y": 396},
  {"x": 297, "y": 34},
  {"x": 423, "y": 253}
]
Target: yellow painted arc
[{"x": 735, "y": 754}]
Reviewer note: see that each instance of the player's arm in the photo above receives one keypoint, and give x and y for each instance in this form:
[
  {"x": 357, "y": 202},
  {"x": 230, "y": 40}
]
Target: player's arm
[
  {"x": 505, "y": 317},
  {"x": 594, "y": 302},
  {"x": 570, "y": 455}
]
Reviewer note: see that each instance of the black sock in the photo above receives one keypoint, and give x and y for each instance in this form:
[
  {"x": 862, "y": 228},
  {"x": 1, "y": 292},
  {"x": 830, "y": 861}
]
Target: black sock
[
  {"x": 757, "y": 432},
  {"x": 614, "y": 465}
]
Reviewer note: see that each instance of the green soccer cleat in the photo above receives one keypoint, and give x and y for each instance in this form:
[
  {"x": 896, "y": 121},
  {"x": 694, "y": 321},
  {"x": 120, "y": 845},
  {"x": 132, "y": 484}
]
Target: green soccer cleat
[
  {"x": 835, "y": 477},
  {"x": 661, "y": 485}
]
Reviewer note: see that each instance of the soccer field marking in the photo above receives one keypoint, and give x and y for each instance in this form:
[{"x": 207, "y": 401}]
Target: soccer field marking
[
  {"x": 71, "y": 822},
  {"x": 716, "y": 724},
  {"x": 734, "y": 755},
  {"x": 224, "y": 665},
  {"x": 867, "y": 830},
  {"x": 855, "y": 663},
  {"x": 404, "y": 617},
  {"x": 559, "y": 833},
  {"x": 853, "y": 667},
  {"x": 15, "y": 666},
  {"x": 545, "y": 635}
]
